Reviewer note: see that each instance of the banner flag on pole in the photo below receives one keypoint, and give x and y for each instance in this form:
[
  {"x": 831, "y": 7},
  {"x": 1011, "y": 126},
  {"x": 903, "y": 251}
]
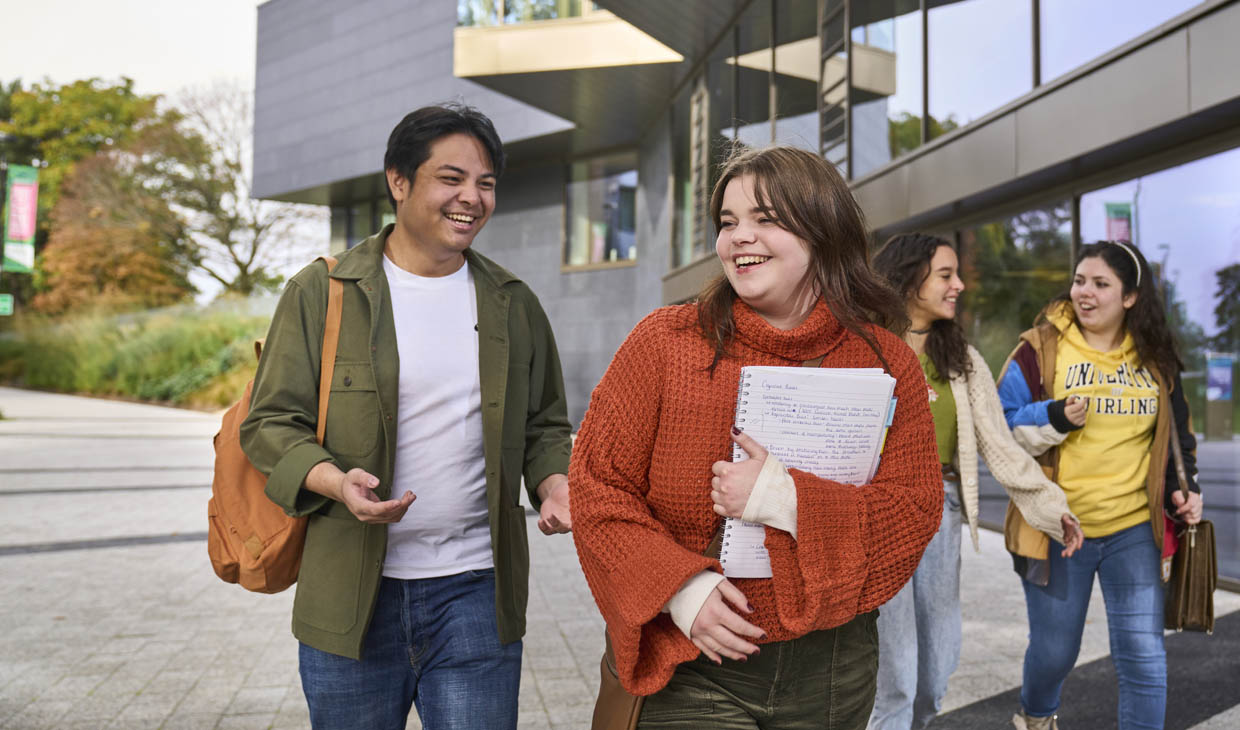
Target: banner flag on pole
[
  {"x": 1119, "y": 221},
  {"x": 20, "y": 211}
]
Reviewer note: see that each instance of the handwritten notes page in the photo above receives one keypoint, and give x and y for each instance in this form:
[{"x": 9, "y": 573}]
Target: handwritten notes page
[{"x": 827, "y": 421}]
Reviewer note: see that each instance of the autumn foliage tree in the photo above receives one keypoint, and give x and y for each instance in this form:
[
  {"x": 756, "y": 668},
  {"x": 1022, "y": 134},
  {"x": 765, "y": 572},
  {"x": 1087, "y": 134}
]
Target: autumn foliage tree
[{"x": 115, "y": 244}]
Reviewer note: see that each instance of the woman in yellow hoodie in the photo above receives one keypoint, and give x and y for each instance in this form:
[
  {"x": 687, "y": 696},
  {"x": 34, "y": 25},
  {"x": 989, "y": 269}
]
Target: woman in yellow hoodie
[{"x": 1093, "y": 391}]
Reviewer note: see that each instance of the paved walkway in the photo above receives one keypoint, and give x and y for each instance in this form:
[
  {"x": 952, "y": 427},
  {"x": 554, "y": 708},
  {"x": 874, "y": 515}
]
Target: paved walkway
[{"x": 112, "y": 617}]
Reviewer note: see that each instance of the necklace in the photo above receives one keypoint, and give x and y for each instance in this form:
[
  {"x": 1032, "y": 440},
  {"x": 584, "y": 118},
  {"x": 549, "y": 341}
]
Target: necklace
[{"x": 920, "y": 332}]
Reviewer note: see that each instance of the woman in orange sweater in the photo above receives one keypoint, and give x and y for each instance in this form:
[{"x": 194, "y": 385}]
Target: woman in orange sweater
[{"x": 650, "y": 477}]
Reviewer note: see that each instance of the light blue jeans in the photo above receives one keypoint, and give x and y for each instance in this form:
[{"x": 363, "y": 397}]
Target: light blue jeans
[
  {"x": 433, "y": 642},
  {"x": 919, "y": 631},
  {"x": 1127, "y": 566}
]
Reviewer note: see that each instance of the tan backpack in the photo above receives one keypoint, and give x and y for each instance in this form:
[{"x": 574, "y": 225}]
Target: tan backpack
[{"x": 250, "y": 539}]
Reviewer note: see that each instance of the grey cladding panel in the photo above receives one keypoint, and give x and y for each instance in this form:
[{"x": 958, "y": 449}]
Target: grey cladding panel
[
  {"x": 1132, "y": 95},
  {"x": 1214, "y": 58},
  {"x": 885, "y": 199},
  {"x": 976, "y": 161}
]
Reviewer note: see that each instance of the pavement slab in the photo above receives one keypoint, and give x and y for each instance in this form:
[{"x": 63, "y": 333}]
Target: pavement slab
[{"x": 113, "y": 617}]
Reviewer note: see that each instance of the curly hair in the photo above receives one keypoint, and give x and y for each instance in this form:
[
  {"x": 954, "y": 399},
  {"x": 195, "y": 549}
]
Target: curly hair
[
  {"x": 904, "y": 261},
  {"x": 1146, "y": 320}
]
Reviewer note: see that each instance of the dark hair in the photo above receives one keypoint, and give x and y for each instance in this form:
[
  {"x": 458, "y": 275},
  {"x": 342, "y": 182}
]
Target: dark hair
[
  {"x": 809, "y": 199},
  {"x": 1146, "y": 320},
  {"x": 409, "y": 145},
  {"x": 905, "y": 262}
]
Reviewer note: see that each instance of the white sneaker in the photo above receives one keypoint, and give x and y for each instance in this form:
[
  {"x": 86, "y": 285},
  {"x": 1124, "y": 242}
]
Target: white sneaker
[{"x": 1025, "y": 722}]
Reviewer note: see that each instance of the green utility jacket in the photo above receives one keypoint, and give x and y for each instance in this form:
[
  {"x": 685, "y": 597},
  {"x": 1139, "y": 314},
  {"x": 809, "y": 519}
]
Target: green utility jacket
[{"x": 525, "y": 432}]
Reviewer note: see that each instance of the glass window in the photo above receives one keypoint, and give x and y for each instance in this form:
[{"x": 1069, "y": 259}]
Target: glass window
[
  {"x": 522, "y": 11},
  {"x": 478, "y": 12},
  {"x": 752, "y": 123},
  {"x": 600, "y": 211},
  {"x": 1011, "y": 269},
  {"x": 494, "y": 12},
  {"x": 981, "y": 57},
  {"x": 887, "y": 89},
  {"x": 1075, "y": 32},
  {"x": 797, "y": 57}
]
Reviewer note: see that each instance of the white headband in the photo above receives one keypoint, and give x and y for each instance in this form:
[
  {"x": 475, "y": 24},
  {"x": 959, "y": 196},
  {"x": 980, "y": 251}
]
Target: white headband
[{"x": 1135, "y": 261}]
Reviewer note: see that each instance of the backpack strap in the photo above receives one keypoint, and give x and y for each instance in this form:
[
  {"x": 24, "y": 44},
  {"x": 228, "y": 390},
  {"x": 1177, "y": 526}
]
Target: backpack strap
[{"x": 331, "y": 339}]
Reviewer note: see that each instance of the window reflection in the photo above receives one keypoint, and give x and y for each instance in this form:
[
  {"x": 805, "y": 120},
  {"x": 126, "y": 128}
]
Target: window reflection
[
  {"x": 1074, "y": 32},
  {"x": 1011, "y": 268},
  {"x": 981, "y": 57},
  {"x": 494, "y": 12},
  {"x": 797, "y": 56},
  {"x": 887, "y": 82},
  {"x": 600, "y": 210}
]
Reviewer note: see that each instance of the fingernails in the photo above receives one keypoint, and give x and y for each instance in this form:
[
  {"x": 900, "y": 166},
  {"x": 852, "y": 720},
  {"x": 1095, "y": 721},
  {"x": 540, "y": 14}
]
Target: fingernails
[
  {"x": 736, "y": 431},
  {"x": 749, "y": 607},
  {"x": 718, "y": 662},
  {"x": 763, "y": 637},
  {"x": 744, "y": 658},
  {"x": 757, "y": 651}
]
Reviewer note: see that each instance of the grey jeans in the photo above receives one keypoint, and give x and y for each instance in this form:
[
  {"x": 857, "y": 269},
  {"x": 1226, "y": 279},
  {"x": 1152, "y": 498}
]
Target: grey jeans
[
  {"x": 919, "y": 631},
  {"x": 821, "y": 681}
]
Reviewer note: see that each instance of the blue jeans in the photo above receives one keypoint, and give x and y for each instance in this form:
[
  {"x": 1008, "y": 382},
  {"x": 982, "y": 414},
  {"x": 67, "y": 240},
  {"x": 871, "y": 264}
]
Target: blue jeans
[
  {"x": 919, "y": 632},
  {"x": 432, "y": 642},
  {"x": 1127, "y": 566}
]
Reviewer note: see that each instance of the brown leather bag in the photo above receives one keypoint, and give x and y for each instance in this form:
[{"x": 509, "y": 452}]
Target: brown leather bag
[
  {"x": 250, "y": 540},
  {"x": 1194, "y": 567},
  {"x": 615, "y": 708}
]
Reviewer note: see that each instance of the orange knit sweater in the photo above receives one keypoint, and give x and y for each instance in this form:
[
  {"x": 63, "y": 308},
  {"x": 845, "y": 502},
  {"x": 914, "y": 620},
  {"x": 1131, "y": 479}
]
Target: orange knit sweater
[{"x": 640, "y": 488}]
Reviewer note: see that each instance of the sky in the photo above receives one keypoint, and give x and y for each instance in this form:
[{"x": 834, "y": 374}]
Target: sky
[{"x": 163, "y": 45}]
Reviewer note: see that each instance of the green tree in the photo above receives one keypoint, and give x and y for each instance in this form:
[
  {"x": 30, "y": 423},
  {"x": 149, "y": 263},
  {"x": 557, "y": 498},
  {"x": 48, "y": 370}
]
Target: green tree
[
  {"x": 1227, "y": 311},
  {"x": 115, "y": 244},
  {"x": 904, "y": 131}
]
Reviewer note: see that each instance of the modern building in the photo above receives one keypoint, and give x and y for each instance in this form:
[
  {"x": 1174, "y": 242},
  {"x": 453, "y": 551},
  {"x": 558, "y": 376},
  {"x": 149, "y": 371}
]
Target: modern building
[{"x": 1015, "y": 128}]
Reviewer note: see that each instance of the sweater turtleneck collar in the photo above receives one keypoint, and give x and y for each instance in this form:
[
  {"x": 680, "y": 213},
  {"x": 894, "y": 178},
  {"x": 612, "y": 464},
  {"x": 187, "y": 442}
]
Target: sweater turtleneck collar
[{"x": 815, "y": 336}]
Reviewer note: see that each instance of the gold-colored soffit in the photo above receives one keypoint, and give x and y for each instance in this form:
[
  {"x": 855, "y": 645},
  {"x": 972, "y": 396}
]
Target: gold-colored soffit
[{"x": 599, "y": 40}]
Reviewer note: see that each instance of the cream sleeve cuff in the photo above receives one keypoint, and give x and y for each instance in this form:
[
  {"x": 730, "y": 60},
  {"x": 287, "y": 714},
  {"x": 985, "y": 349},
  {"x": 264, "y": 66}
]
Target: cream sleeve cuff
[
  {"x": 688, "y": 601},
  {"x": 773, "y": 501}
]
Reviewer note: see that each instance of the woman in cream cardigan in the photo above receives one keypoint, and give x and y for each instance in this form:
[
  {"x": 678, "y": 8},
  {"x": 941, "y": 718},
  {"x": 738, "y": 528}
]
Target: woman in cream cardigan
[{"x": 919, "y": 629}]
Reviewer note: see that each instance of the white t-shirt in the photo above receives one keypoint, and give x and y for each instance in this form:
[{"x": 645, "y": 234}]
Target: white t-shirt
[{"x": 438, "y": 429}]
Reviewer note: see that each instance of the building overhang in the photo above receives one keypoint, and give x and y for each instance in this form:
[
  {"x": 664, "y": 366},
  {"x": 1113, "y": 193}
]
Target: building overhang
[{"x": 599, "y": 72}]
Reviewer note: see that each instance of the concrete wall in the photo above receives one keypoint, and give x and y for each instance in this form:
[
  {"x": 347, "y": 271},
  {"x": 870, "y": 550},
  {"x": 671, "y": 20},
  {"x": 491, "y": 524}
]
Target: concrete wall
[
  {"x": 591, "y": 312},
  {"x": 332, "y": 79}
]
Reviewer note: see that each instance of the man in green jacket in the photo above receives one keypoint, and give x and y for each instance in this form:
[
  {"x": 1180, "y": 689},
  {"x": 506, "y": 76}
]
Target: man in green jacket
[{"x": 446, "y": 390}]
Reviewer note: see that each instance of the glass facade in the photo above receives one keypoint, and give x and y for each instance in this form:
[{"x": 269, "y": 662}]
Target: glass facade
[
  {"x": 980, "y": 57},
  {"x": 887, "y": 95},
  {"x": 1073, "y": 33},
  {"x": 600, "y": 211},
  {"x": 495, "y": 12},
  {"x": 767, "y": 61}
]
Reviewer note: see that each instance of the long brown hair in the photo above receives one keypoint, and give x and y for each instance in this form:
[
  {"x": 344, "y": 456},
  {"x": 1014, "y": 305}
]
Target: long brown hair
[
  {"x": 809, "y": 199},
  {"x": 1146, "y": 320},
  {"x": 904, "y": 260}
]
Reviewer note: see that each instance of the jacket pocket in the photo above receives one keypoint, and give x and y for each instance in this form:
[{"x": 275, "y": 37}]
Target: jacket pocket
[
  {"x": 328, "y": 585},
  {"x": 353, "y": 416}
]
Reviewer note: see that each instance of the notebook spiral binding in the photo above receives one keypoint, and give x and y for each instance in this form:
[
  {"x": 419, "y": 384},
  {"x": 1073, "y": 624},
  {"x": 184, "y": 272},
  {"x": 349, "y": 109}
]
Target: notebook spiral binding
[{"x": 742, "y": 393}]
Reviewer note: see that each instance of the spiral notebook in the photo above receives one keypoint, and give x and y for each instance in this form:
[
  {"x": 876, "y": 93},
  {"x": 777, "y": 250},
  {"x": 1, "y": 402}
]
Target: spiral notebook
[{"x": 830, "y": 422}]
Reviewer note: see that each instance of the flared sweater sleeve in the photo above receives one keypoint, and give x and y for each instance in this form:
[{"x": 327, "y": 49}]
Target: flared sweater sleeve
[
  {"x": 1041, "y": 502},
  {"x": 631, "y": 561},
  {"x": 857, "y": 545}
]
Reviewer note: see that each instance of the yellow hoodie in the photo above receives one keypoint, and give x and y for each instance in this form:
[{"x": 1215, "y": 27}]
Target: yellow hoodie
[{"x": 1103, "y": 466}]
